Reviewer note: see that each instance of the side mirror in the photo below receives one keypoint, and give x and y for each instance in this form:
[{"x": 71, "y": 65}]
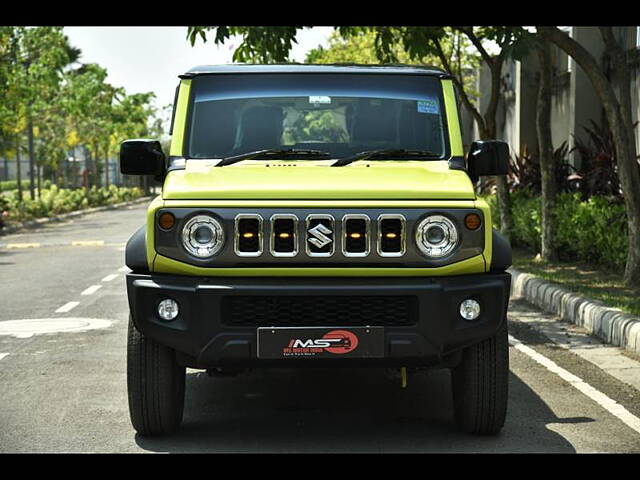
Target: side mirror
[
  {"x": 141, "y": 157},
  {"x": 489, "y": 157}
]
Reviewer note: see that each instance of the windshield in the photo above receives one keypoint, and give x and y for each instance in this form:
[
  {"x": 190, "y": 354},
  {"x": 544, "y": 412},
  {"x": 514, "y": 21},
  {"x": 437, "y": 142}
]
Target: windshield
[{"x": 341, "y": 114}]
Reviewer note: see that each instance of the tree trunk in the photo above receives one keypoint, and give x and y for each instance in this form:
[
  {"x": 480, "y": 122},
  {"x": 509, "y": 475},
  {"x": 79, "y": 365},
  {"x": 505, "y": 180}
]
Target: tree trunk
[
  {"x": 31, "y": 160},
  {"x": 38, "y": 176},
  {"x": 106, "y": 167},
  {"x": 74, "y": 169},
  {"x": 96, "y": 160},
  {"x": 18, "y": 171},
  {"x": 545, "y": 145},
  {"x": 87, "y": 164},
  {"x": 623, "y": 137}
]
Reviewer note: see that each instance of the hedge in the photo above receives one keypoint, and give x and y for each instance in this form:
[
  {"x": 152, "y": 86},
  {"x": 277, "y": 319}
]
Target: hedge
[
  {"x": 56, "y": 200},
  {"x": 8, "y": 185},
  {"x": 593, "y": 231}
]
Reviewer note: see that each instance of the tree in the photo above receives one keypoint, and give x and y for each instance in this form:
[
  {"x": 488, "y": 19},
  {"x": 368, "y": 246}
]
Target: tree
[
  {"x": 618, "y": 113},
  {"x": 38, "y": 56},
  {"x": 545, "y": 149},
  {"x": 12, "y": 109}
]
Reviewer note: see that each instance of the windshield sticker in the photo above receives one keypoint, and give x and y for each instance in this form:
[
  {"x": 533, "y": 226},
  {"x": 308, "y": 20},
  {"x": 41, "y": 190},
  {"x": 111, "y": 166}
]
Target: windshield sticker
[
  {"x": 319, "y": 99},
  {"x": 428, "y": 106}
]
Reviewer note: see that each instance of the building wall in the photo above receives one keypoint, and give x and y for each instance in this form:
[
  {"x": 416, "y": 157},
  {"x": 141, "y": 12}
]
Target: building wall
[{"x": 584, "y": 103}]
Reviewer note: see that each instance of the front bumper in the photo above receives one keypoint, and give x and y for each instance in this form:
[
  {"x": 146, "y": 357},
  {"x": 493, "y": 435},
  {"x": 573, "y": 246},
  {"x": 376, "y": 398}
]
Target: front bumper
[{"x": 204, "y": 335}]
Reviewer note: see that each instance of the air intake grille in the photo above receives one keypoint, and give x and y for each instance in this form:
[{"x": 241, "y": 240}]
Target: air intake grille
[
  {"x": 356, "y": 236},
  {"x": 242, "y": 310},
  {"x": 391, "y": 236},
  {"x": 248, "y": 232},
  {"x": 284, "y": 241}
]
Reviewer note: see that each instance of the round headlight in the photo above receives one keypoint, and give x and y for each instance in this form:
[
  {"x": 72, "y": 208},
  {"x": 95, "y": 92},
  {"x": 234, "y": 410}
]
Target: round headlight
[
  {"x": 436, "y": 236},
  {"x": 202, "y": 236}
]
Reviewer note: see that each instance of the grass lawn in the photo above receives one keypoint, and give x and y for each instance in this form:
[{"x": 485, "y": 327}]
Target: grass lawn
[{"x": 582, "y": 278}]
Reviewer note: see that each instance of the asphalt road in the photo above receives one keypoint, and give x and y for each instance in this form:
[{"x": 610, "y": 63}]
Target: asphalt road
[{"x": 66, "y": 391}]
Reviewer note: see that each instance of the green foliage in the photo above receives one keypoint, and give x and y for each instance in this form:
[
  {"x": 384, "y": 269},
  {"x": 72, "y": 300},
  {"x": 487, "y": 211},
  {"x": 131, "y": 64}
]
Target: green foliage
[
  {"x": 594, "y": 231},
  {"x": 260, "y": 44},
  {"x": 70, "y": 104},
  {"x": 54, "y": 200},
  {"x": 9, "y": 185}
]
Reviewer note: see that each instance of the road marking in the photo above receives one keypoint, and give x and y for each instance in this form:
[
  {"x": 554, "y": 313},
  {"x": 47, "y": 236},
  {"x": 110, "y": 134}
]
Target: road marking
[
  {"x": 597, "y": 396},
  {"x": 91, "y": 290},
  {"x": 67, "y": 307},
  {"x": 35, "y": 326},
  {"x": 108, "y": 278},
  {"x": 87, "y": 243},
  {"x": 2, "y": 355},
  {"x": 23, "y": 245},
  {"x": 123, "y": 269}
]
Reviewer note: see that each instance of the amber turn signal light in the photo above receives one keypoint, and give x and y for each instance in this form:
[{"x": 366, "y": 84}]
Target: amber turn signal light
[
  {"x": 166, "y": 221},
  {"x": 472, "y": 221}
]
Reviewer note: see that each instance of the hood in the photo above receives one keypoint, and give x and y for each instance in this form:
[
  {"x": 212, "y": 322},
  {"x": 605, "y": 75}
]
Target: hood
[{"x": 305, "y": 179}]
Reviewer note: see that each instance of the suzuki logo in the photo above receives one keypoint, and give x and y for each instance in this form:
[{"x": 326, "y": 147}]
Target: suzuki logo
[{"x": 318, "y": 236}]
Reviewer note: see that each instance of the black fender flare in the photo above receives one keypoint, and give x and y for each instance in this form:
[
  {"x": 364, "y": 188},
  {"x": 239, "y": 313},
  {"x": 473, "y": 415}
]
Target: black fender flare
[
  {"x": 501, "y": 257},
  {"x": 135, "y": 254}
]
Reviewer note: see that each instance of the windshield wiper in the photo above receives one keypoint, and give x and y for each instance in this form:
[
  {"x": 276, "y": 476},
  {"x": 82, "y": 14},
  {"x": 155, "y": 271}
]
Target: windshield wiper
[
  {"x": 271, "y": 152},
  {"x": 386, "y": 152}
]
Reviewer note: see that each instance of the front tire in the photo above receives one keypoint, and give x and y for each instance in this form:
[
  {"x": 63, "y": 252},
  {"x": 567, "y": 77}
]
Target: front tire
[
  {"x": 155, "y": 385},
  {"x": 480, "y": 385}
]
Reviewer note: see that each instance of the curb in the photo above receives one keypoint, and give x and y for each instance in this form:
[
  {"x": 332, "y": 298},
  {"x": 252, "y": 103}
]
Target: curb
[
  {"x": 611, "y": 325},
  {"x": 41, "y": 221}
]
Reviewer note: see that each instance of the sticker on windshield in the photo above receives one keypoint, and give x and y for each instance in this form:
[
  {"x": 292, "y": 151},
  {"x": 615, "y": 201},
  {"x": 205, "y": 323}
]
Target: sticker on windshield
[
  {"x": 319, "y": 99},
  {"x": 428, "y": 106}
]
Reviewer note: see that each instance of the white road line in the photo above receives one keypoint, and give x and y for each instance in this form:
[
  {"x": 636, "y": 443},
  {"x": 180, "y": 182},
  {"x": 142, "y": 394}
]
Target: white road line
[
  {"x": 67, "y": 307},
  {"x": 597, "y": 396},
  {"x": 22, "y": 245},
  {"x": 91, "y": 290},
  {"x": 123, "y": 269},
  {"x": 2, "y": 355},
  {"x": 108, "y": 278},
  {"x": 87, "y": 243}
]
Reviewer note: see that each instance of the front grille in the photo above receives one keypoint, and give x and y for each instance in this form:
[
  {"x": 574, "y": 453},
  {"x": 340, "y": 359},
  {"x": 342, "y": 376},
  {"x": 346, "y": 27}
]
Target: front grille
[
  {"x": 320, "y": 235},
  {"x": 319, "y": 310}
]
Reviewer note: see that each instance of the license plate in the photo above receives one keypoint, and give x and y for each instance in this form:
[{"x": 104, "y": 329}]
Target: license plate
[{"x": 320, "y": 342}]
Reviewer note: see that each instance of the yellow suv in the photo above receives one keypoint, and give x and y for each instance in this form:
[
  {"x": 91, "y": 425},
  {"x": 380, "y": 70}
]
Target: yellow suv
[{"x": 316, "y": 216}]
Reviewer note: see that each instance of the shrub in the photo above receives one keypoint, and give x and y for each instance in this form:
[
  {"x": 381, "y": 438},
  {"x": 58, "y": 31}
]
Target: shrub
[
  {"x": 598, "y": 173},
  {"x": 9, "y": 185},
  {"x": 54, "y": 200},
  {"x": 594, "y": 230}
]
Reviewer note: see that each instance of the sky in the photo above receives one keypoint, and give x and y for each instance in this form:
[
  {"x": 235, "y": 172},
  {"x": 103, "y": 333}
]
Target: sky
[{"x": 143, "y": 59}]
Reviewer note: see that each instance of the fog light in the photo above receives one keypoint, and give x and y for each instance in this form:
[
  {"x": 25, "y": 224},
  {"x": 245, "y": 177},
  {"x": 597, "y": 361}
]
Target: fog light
[
  {"x": 168, "y": 309},
  {"x": 469, "y": 309}
]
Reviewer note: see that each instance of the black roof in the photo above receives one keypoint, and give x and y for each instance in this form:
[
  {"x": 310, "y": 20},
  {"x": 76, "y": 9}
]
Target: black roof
[{"x": 314, "y": 68}]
